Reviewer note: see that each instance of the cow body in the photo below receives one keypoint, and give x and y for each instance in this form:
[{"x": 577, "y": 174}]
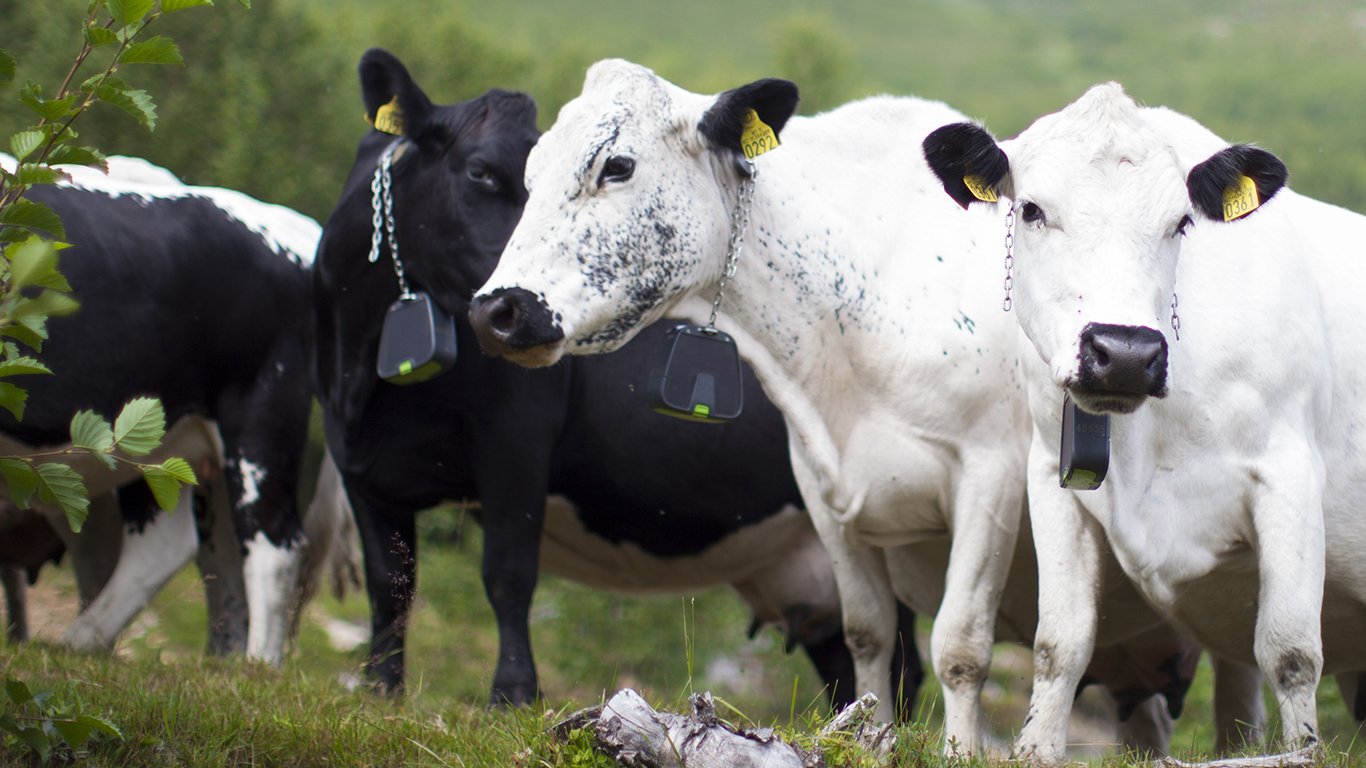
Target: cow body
[
  {"x": 1236, "y": 467},
  {"x": 854, "y": 300},
  {"x": 569, "y": 469},
  {"x": 196, "y": 296}
]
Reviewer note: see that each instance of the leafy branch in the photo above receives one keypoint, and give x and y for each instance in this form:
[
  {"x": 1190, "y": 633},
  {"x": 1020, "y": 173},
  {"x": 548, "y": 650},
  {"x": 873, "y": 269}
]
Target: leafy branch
[{"x": 33, "y": 720}]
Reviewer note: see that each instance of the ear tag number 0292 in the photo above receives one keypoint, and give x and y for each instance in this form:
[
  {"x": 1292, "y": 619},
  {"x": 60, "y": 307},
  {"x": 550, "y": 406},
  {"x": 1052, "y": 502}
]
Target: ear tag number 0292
[
  {"x": 697, "y": 376},
  {"x": 979, "y": 188},
  {"x": 416, "y": 342},
  {"x": 1085, "y": 454},
  {"x": 756, "y": 137}
]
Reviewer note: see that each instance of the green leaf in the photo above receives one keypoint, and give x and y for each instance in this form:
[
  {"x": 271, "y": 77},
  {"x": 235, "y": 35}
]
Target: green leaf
[
  {"x": 179, "y": 469},
  {"x": 7, "y": 69},
  {"x": 73, "y": 732},
  {"x": 126, "y": 12},
  {"x": 154, "y": 50},
  {"x": 34, "y": 262},
  {"x": 69, "y": 155},
  {"x": 61, "y": 485},
  {"x": 101, "y": 726},
  {"x": 134, "y": 101},
  {"x": 31, "y": 330},
  {"x": 13, "y": 399},
  {"x": 245, "y": 4},
  {"x": 180, "y": 5},
  {"x": 37, "y": 740},
  {"x": 18, "y": 692},
  {"x": 37, "y": 173},
  {"x": 36, "y": 218},
  {"x": 89, "y": 430},
  {"x": 96, "y": 36},
  {"x": 140, "y": 426},
  {"x": 20, "y": 478},
  {"x": 22, "y": 144},
  {"x": 165, "y": 486},
  {"x": 45, "y": 304},
  {"x": 31, "y": 96},
  {"x": 22, "y": 366}
]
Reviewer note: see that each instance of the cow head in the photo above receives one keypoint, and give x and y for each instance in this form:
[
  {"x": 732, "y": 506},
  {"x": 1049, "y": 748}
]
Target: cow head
[
  {"x": 457, "y": 194},
  {"x": 630, "y": 204},
  {"x": 1104, "y": 194}
]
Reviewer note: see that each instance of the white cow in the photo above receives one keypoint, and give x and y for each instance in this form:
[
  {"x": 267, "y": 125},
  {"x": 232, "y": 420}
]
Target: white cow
[
  {"x": 1238, "y": 460},
  {"x": 868, "y": 325}
]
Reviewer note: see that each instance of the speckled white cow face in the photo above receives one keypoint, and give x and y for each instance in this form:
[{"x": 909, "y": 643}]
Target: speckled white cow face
[
  {"x": 1102, "y": 200},
  {"x": 629, "y": 211}
]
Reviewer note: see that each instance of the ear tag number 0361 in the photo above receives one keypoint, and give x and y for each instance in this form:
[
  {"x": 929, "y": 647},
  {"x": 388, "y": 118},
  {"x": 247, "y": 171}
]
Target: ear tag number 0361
[
  {"x": 697, "y": 376},
  {"x": 1085, "y": 453},
  {"x": 1240, "y": 198},
  {"x": 416, "y": 342},
  {"x": 756, "y": 137}
]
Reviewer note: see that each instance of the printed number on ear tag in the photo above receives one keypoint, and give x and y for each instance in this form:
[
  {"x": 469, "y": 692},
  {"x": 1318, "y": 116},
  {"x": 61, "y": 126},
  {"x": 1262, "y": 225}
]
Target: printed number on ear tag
[
  {"x": 1240, "y": 198},
  {"x": 697, "y": 376},
  {"x": 389, "y": 118},
  {"x": 1085, "y": 451},
  {"x": 416, "y": 342},
  {"x": 756, "y": 137},
  {"x": 980, "y": 189}
]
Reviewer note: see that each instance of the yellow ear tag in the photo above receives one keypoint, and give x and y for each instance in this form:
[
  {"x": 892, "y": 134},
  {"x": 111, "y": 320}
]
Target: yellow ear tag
[
  {"x": 389, "y": 118},
  {"x": 756, "y": 137},
  {"x": 980, "y": 189},
  {"x": 1240, "y": 198}
]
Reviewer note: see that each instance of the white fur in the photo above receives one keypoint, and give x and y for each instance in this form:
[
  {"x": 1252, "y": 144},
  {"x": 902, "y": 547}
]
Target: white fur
[
  {"x": 271, "y": 574},
  {"x": 1229, "y": 501},
  {"x": 868, "y": 324}
]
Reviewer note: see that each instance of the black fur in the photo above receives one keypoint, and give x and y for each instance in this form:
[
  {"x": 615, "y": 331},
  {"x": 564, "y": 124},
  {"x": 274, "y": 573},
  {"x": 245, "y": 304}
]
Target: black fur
[
  {"x": 964, "y": 149},
  {"x": 774, "y": 100},
  {"x": 1207, "y": 181}
]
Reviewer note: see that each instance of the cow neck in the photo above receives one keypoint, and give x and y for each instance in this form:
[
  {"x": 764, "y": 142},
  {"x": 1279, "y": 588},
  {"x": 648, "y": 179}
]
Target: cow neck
[
  {"x": 382, "y": 214},
  {"x": 739, "y": 224}
]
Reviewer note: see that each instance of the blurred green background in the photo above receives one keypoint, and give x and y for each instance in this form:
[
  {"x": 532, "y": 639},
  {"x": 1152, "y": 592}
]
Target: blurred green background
[{"x": 269, "y": 104}]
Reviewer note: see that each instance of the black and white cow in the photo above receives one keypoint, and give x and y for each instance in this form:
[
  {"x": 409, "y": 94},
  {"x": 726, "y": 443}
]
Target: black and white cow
[
  {"x": 197, "y": 296},
  {"x": 570, "y": 469}
]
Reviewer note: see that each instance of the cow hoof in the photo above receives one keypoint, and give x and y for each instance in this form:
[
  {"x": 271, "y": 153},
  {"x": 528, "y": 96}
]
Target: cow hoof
[
  {"x": 506, "y": 697},
  {"x": 86, "y": 638}
]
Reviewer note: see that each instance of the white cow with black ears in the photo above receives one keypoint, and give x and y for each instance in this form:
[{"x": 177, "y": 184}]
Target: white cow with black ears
[
  {"x": 867, "y": 324},
  {"x": 1238, "y": 461}
]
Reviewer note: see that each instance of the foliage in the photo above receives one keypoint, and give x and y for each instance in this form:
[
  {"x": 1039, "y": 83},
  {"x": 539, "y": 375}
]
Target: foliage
[
  {"x": 34, "y": 289},
  {"x": 811, "y": 53},
  {"x": 36, "y": 721}
]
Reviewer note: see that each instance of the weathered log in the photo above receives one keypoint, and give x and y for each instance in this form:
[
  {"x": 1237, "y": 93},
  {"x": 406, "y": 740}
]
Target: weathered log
[
  {"x": 635, "y": 734},
  {"x": 1303, "y": 757}
]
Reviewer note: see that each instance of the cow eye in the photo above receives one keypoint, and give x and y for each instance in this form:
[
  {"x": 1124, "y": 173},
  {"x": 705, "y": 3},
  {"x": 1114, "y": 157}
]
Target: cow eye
[
  {"x": 1182, "y": 225},
  {"x": 1032, "y": 214},
  {"x": 617, "y": 168},
  {"x": 481, "y": 176}
]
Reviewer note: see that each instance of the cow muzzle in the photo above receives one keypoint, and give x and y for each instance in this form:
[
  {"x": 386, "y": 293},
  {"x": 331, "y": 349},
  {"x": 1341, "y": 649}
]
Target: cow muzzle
[
  {"x": 515, "y": 324},
  {"x": 1120, "y": 366}
]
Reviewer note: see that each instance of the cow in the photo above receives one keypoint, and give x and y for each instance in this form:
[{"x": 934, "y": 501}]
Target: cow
[
  {"x": 1167, "y": 280},
  {"x": 565, "y": 467},
  {"x": 863, "y": 319},
  {"x": 197, "y": 296}
]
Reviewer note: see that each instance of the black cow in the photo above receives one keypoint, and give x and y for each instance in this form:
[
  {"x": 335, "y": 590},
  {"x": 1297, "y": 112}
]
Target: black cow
[
  {"x": 197, "y": 296},
  {"x": 638, "y": 501}
]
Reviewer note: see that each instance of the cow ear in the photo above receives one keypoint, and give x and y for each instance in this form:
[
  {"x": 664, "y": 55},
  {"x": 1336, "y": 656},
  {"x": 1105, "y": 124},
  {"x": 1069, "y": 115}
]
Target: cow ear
[
  {"x": 393, "y": 102},
  {"x": 968, "y": 162},
  {"x": 772, "y": 100},
  {"x": 1235, "y": 182}
]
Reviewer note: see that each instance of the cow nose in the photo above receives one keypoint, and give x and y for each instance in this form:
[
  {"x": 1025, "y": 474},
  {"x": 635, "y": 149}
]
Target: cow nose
[
  {"x": 1123, "y": 359},
  {"x": 510, "y": 319}
]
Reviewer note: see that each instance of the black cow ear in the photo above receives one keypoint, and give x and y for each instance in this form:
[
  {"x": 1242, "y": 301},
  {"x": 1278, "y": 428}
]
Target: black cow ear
[
  {"x": 393, "y": 102},
  {"x": 967, "y": 161},
  {"x": 773, "y": 101},
  {"x": 1235, "y": 182}
]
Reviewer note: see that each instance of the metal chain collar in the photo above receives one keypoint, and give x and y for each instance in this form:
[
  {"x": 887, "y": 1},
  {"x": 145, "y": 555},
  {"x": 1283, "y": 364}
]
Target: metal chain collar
[
  {"x": 1010, "y": 257},
  {"x": 1176, "y": 319},
  {"x": 382, "y": 203},
  {"x": 739, "y": 222}
]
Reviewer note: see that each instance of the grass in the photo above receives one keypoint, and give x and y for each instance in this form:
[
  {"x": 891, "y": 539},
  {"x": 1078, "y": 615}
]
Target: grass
[{"x": 178, "y": 708}]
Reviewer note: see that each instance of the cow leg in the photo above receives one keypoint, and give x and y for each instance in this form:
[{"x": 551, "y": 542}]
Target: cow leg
[
  {"x": 16, "y": 603},
  {"x": 152, "y": 553},
  {"x": 513, "y": 521},
  {"x": 1069, "y": 545},
  {"x": 389, "y": 544},
  {"x": 835, "y": 665},
  {"x": 264, "y": 431},
  {"x": 220, "y": 567},
  {"x": 1352, "y": 686},
  {"x": 1148, "y": 729},
  {"x": 1239, "y": 711},
  {"x": 94, "y": 552},
  {"x": 986, "y": 515},
  {"x": 1288, "y": 644}
]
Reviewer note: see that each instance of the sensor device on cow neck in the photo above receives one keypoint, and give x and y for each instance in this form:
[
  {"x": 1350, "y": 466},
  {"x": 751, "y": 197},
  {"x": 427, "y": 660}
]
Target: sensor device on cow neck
[
  {"x": 1085, "y": 453},
  {"x": 698, "y": 377},
  {"x": 417, "y": 340}
]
